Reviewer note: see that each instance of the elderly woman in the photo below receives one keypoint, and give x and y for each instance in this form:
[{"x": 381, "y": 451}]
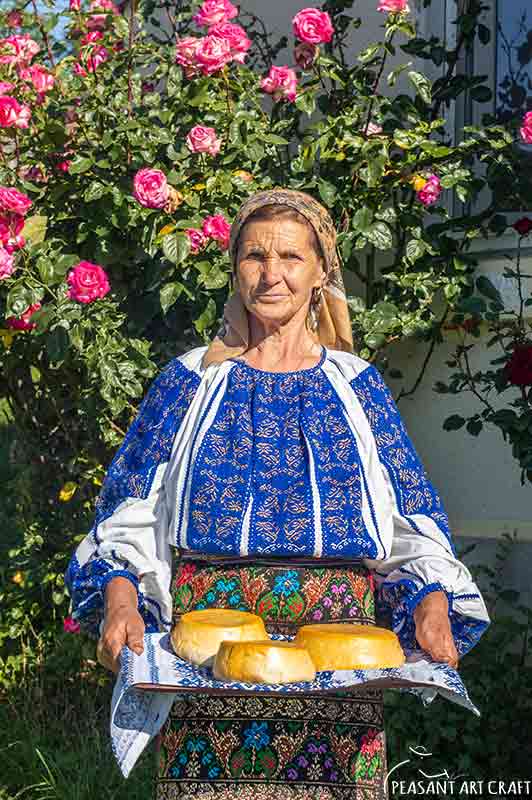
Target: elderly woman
[{"x": 271, "y": 472}]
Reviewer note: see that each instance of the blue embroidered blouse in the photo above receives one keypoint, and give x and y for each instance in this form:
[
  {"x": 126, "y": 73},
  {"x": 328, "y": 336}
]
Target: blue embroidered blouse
[{"x": 236, "y": 460}]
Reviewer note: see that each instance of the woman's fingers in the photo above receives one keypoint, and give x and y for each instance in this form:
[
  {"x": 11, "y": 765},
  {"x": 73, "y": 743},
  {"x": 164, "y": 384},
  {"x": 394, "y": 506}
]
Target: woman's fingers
[
  {"x": 434, "y": 635},
  {"x": 107, "y": 651},
  {"x": 135, "y": 636}
]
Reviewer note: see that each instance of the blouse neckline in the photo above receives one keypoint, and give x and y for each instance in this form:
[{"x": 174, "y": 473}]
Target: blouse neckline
[{"x": 272, "y": 373}]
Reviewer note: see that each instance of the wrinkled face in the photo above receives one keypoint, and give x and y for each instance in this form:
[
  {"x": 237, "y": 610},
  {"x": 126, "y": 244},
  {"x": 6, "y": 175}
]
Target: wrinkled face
[{"x": 277, "y": 268}]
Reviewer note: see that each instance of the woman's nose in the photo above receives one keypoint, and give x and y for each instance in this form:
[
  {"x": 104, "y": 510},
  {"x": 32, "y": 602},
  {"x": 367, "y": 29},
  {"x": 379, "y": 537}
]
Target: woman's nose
[{"x": 271, "y": 269}]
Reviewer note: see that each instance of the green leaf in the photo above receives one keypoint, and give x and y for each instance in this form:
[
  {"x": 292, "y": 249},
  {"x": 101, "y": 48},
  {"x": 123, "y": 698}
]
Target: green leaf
[
  {"x": 95, "y": 191},
  {"x": 485, "y": 287},
  {"x": 212, "y": 277},
  {"x": 327, "y": 192},
  {"x": 453, "y": 423},
  {"x": 17, "y": 301},
  {"x": 484, "y": 33},
  {"x": 80, "y": 164},
  {"x": 207, "y": 317},
  {"x": 415, "y": 249},
  {"x": 369, "y": 53},
  {"x": 380, "y": 235},
  {"x": 57, "y": 344},
  {"x": 35, "y": 228},
  {"x": 306, "y": 102},
  {"x": 375, "y": 340},
  {"x": 474, "y": 426},
  {"x": 169, "y": 294},
  {"x": 422, "y": 85},
  {"x": 481, "y": 94},
  {"x": 176, "y": 247},
  {"x": 363, "y": 219}
]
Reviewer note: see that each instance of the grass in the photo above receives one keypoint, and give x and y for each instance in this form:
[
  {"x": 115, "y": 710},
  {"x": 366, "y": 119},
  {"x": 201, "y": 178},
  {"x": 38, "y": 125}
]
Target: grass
[{"x": 58, "y": 748}]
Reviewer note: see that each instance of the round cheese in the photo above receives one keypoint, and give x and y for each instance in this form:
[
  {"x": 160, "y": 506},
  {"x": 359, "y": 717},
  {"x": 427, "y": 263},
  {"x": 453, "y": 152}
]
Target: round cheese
[
  {"x": 198, "y": 634},
  {"x": 263, "y": 662},
  {"x": 350, "y": 646}
]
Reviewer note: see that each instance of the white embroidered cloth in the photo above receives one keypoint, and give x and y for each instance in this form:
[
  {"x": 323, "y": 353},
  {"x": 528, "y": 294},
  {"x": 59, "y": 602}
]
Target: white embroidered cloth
[{"x": 137, "y": 715}]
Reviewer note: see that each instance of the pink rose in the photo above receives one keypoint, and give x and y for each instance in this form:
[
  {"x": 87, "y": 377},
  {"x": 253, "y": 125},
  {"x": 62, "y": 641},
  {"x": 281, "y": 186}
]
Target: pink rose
[
  {"x": 198, "y": 240},
  {"x": 42, "y": 80},
  {"x": 97, "y": 22},
  {"x": 18, "y": 49},
  {"x": 23, "y": 323},
  {"x": 393, "y": 6},
  {"x": 10, "y": 228},
  {"x": 13, "y": 200},
  {"x": 372, "y": 129},
  {"x": 185, "y": 55},
  {"x": 212, "y": 54},
  {"x": 313, "y": 26},
  {"x": 237, "y": 38},
  {"x": 213, "y": 12},
  {"x": 281, "y": 82},
  {"x": 70, "y": 625},
  {"x": 74, "y": 5},
  {"x": 63, "y": 166},
  {"x": 5, "y": 87},
  {"x": 9, "y": 111},
  {"x": 97, "y": 55},
  {"x": 91, "y": 37},
  {"x": 150, "y": 188},
  {"x": 203, "y": 140},
  {"x": 14, "y": 19},
  {"x": 526, "y": 129},
  {"x": 6, "y": 264},
  {"x": 23, "y": 117},
  {"x": 87, "y": 282},
  {"x": 217, "y": 227},
  {"x": 431, "y": 191},
  {"x": 305, "y": 55}
]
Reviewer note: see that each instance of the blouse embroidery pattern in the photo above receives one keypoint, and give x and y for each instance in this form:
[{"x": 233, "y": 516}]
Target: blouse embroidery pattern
[{"x": 256, "y": 455}]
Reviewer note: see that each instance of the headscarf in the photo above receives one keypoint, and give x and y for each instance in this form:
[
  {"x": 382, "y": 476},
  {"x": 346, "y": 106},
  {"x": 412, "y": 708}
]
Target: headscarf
[{"x": 334, "y": 326}]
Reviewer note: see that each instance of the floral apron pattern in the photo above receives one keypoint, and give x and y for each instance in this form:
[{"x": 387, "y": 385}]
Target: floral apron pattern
[{"x": 251, "y": 747}]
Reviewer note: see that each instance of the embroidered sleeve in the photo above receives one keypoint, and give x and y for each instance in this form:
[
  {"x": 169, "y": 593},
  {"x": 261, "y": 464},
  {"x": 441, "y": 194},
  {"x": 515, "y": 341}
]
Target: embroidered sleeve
[
  {"x": 129, "y": 535},
  {"x": 423, "y": 557}
]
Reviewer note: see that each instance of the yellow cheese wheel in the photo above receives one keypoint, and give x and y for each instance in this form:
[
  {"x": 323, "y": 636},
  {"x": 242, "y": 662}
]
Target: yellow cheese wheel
[
  {"x": 198, "y": 634},
  {"x": 350, "y": 646},
  {"x": 263, "y": 662}
]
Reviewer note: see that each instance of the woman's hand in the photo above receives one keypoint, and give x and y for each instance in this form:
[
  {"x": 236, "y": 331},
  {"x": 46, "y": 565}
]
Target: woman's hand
[
  {"x": 433, "y": 628},
  {"x": 122, "y": 624}
]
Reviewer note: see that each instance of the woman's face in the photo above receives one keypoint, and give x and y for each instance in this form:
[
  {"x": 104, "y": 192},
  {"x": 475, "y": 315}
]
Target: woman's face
[{"x": 277, "y": 268}]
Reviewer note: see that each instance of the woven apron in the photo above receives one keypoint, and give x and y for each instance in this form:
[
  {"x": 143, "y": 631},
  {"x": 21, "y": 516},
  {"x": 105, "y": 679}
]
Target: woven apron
[{"x": 217, "y": 746}]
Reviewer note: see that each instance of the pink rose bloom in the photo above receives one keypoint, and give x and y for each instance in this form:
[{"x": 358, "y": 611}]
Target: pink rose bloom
[
  {"x": 218, "y": 228},
  {"x": 373, "y": 129},
  {"x": 97, "y": 22},
  {"x": 237, "y": 38},
  {"x": 70, "y": 625},
  {"x": 63, "y": 166},
  {"x": 75, "y": 5},
  {"x": 393, "y": 6},
  {"x": 14, "y": 19},
  {"x": 15, "y": 244},
  {"x": 97, "y": 56},
  {"x": 87, "y": 282},
  {"x": 203, "y": 140},
  {"x": 42, "y": 80},
  {"x": 6, "y": 264},
  {"x": 5, "y": 87},
  {"x": 213, "y": 12},
  {"x": 23, "y": 323},
  {"x": 281, "y": 82},
  {"x": 13, "y": 200},
  {"x": 150, "y": 188},
  {"x": 198, "y": 240},
  {"x": 9, "y": 111},
  {"x": 91, "y": 37},
  {"x": 305, "y": 55},
  {"x": 18, "y": 49},
  {"x": 213, "y": 53},
  {"x": 526, "y": 129},
  {"x": 313, "y": 26},
  {"x": 10, "y": 226},
  {"x": 23, "y": 117},
  {"x": 185, "y": 55},
  {"x": 431, "y": 191}
]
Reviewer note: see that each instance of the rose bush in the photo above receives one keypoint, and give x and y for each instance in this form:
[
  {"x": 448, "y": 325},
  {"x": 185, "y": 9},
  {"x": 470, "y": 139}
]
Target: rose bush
[{"x": 127, "y": 149}]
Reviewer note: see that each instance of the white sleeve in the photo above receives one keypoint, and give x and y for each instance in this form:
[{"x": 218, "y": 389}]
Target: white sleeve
[
  {"x": 423, "y": 556},
  {"x": 130, "y": 535}
]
